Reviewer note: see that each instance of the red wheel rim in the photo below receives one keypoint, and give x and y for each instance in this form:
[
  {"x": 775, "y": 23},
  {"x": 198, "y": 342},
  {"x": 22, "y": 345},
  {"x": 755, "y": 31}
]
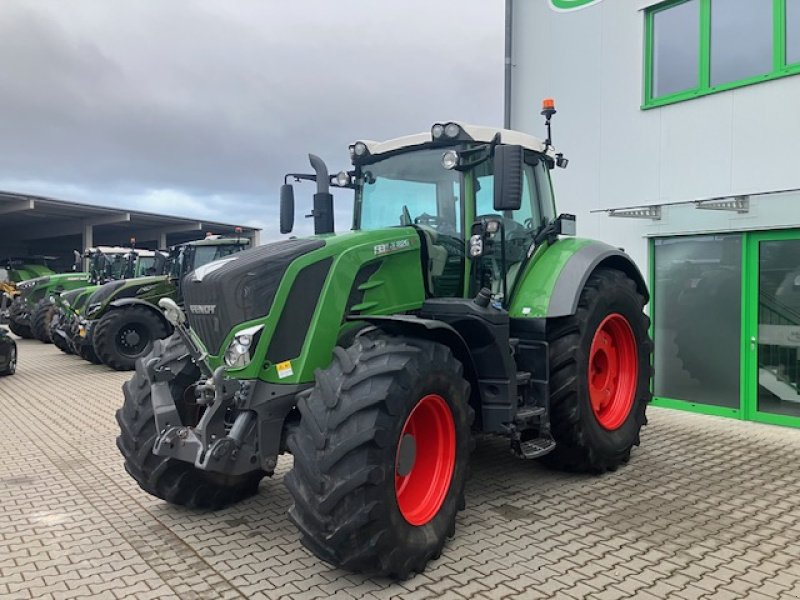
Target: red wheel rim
[
  {"x": 421, "y": 488},
  {"x": 613, "y": 371}
]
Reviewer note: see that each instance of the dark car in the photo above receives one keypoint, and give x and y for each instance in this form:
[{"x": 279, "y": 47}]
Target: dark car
[{"x": 8, "y": 353}]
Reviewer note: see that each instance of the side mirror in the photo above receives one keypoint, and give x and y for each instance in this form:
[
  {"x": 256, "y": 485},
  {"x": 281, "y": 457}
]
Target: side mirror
[
  {"x": 565, "y": 224},
  {"x": 507, "y": 178},
  {"x": 287, "y": 208}
]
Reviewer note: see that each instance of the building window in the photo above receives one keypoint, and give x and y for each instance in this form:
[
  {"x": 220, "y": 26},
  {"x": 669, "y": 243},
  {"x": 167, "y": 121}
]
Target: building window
[
  {"x": 697, "y": 318},
  {"x": 676, "y": 48},
  {"x": 699, "y": 47},
  {"x": 793, "y": 31}
]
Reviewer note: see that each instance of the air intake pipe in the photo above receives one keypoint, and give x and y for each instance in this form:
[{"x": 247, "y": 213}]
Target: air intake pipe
[{"x": 323, "y": 199}]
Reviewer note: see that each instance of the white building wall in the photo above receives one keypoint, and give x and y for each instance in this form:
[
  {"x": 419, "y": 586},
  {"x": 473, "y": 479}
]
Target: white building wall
[{"x": 743, "y": 141}]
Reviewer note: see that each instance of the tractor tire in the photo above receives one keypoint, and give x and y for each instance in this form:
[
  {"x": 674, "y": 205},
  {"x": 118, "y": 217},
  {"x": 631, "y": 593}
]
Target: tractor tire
[
  {"x": 23, "y": 331},
  {"x": 364, "y": 498},
  {"x": 11, "y": 367},
  {"x": 40, "y": 321},
  {"x": 55, "y": 326},
  {"x": 87, "y": 353},
  {"x": 173, "y": 480},
  {"x": 124, "y": 335},
  {"x": 599, "y": 376}
]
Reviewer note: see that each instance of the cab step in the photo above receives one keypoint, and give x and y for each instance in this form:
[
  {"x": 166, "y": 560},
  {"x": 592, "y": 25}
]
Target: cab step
[{"x": 534, "y": 448}]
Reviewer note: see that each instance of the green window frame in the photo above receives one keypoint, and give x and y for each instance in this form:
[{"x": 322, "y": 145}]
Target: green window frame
[{"x": 780, "y": 67}]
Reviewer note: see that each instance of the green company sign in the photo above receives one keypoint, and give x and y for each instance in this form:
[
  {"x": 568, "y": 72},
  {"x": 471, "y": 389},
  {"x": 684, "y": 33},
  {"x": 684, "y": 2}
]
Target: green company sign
[{"x": 564, "y": 5}]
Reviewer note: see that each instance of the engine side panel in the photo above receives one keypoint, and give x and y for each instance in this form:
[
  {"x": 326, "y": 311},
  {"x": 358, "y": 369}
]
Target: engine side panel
[{"x": 365, "y": 273}]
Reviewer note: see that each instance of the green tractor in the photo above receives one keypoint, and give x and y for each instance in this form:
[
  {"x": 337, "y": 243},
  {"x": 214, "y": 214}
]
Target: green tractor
[
  {"x": 459, "y": 304},
  {"x": 106, "y": 264},
  {"x": 32, "y": 291},
  {"x": 121, "y": 319},
  {"x": 12, "y": 272}
]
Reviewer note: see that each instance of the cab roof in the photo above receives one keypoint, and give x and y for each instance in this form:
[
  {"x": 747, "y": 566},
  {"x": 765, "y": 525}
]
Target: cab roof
[{"x": 475, "y": 133}]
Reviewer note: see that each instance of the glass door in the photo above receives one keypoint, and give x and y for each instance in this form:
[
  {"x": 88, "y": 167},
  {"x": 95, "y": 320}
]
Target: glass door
[{"x": 773, "y": 328}]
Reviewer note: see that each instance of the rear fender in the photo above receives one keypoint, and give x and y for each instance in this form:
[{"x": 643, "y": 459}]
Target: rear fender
[{"x": 552, "y": 284}]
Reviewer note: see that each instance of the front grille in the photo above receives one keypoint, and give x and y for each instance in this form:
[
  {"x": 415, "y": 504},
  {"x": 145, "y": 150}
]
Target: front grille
[{"x": 240, "y": 288}]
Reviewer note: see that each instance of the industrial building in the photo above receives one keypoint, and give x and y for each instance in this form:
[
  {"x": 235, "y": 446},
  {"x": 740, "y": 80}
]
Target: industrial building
[
  {"x": 39, "y": 226},
  {"x": 681, "y": 123}
]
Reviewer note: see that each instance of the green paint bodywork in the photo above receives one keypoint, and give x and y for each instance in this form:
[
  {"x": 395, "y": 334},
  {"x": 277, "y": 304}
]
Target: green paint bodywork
[
  {"x": 396, "y": 287},
  {"x": 42, "y": 287},
  {"x": 29, "y": 271},
  {"x": 532, "y": 293},
  {"x": 147, "y": 289},
  {"x": 571, "y": 4}
]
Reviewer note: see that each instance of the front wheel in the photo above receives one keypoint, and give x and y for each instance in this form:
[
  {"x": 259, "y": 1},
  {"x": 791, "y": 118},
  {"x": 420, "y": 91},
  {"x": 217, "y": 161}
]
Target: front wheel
[
  {"x": 40, "y": 321},
  {"x": 599, "y": 376},
  {"x": 123, "y": 335},
  {"x": 381, "y": 454},
  {"x": 167, "y": 478},
  {"x": 23, "y": 331},
  {"x": 11, "y": 364}
]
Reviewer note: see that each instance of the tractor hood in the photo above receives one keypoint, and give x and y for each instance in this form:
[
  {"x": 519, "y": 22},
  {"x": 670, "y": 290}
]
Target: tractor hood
[
  {"x": 140, "y": 287},
  {"x": 35, "y": 288},
  {"x": 238, "y": 288}
]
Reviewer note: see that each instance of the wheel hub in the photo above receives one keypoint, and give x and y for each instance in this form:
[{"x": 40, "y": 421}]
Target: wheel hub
[
  {"x": 131, "y": 338},
  {"x": 406, "y": 455},
  {"x": 613, "y": 371}
]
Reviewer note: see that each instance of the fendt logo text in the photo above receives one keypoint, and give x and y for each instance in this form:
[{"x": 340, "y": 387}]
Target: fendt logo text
[
  {"x": 203, "y": 309},
  {"x": 566, "y": 5}
]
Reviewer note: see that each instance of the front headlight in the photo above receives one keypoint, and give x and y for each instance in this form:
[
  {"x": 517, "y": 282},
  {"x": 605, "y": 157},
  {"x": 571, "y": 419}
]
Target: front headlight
[{"x": 238, "y": 354}]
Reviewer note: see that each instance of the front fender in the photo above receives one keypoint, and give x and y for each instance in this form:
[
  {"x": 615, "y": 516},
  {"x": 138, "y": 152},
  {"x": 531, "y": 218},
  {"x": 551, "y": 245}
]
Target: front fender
[
  {"x": 125, "y": 302},
  {"x": 436, "y": 331}
]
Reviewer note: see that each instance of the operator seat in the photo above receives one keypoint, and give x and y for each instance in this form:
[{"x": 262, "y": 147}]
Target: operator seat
[{"x": 437, "y": 255}]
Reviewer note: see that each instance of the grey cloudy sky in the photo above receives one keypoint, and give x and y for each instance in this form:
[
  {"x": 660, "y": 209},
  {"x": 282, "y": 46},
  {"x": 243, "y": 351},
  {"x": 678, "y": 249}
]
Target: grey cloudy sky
[{"x": 198, "y": 107}]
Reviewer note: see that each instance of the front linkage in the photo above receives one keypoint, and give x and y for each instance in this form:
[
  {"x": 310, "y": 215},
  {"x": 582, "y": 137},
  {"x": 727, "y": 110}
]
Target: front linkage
[{"x": 241, "y": 424}]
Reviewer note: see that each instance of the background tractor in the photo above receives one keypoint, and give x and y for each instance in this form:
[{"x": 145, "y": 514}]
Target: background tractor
[
  {"x": 121, "y": 319},
  {"x": 458, "y": 304},
  {"x": 13, "y": 271},
  {"x": 31, "y": 291},
  {"x": 106, "y": 263}
]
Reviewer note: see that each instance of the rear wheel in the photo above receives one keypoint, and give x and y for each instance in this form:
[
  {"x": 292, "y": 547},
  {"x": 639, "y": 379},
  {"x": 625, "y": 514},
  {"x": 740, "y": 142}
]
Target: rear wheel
[
  {"x": 381, "y": 455},
  {"x": 124, "y": 335},
  {"x": 175, "y": 481},
  {"x": 599, "y": 376},
  {"x": 40, "y": 321}
]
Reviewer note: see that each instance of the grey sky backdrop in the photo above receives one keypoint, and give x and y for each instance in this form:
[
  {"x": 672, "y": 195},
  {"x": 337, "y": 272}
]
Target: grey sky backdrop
[{"x": 198, "y": 107}]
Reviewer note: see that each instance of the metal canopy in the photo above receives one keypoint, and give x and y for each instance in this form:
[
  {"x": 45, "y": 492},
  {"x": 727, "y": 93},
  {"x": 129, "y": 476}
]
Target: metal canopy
[{"x": 27, "y": 219}]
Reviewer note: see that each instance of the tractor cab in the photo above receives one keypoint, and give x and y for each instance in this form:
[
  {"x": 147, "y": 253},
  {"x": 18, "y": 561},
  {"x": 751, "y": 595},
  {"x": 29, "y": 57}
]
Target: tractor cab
[
  {"x": 188, "y": 257},
  {"x": 479, "y": 199}
]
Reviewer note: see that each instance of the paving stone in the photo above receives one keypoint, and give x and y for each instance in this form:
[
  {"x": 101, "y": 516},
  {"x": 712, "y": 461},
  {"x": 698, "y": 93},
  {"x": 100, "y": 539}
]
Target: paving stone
[{"x": 706, "y": 509}]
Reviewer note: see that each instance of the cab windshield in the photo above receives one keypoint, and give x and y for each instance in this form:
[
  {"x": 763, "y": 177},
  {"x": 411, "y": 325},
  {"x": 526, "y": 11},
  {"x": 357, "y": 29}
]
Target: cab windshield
[{"x": 412, "y": 188}]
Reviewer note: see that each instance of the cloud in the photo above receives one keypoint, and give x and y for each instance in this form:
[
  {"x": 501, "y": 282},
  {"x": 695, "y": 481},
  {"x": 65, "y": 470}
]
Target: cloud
[{"x": 201, "y": 106}]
